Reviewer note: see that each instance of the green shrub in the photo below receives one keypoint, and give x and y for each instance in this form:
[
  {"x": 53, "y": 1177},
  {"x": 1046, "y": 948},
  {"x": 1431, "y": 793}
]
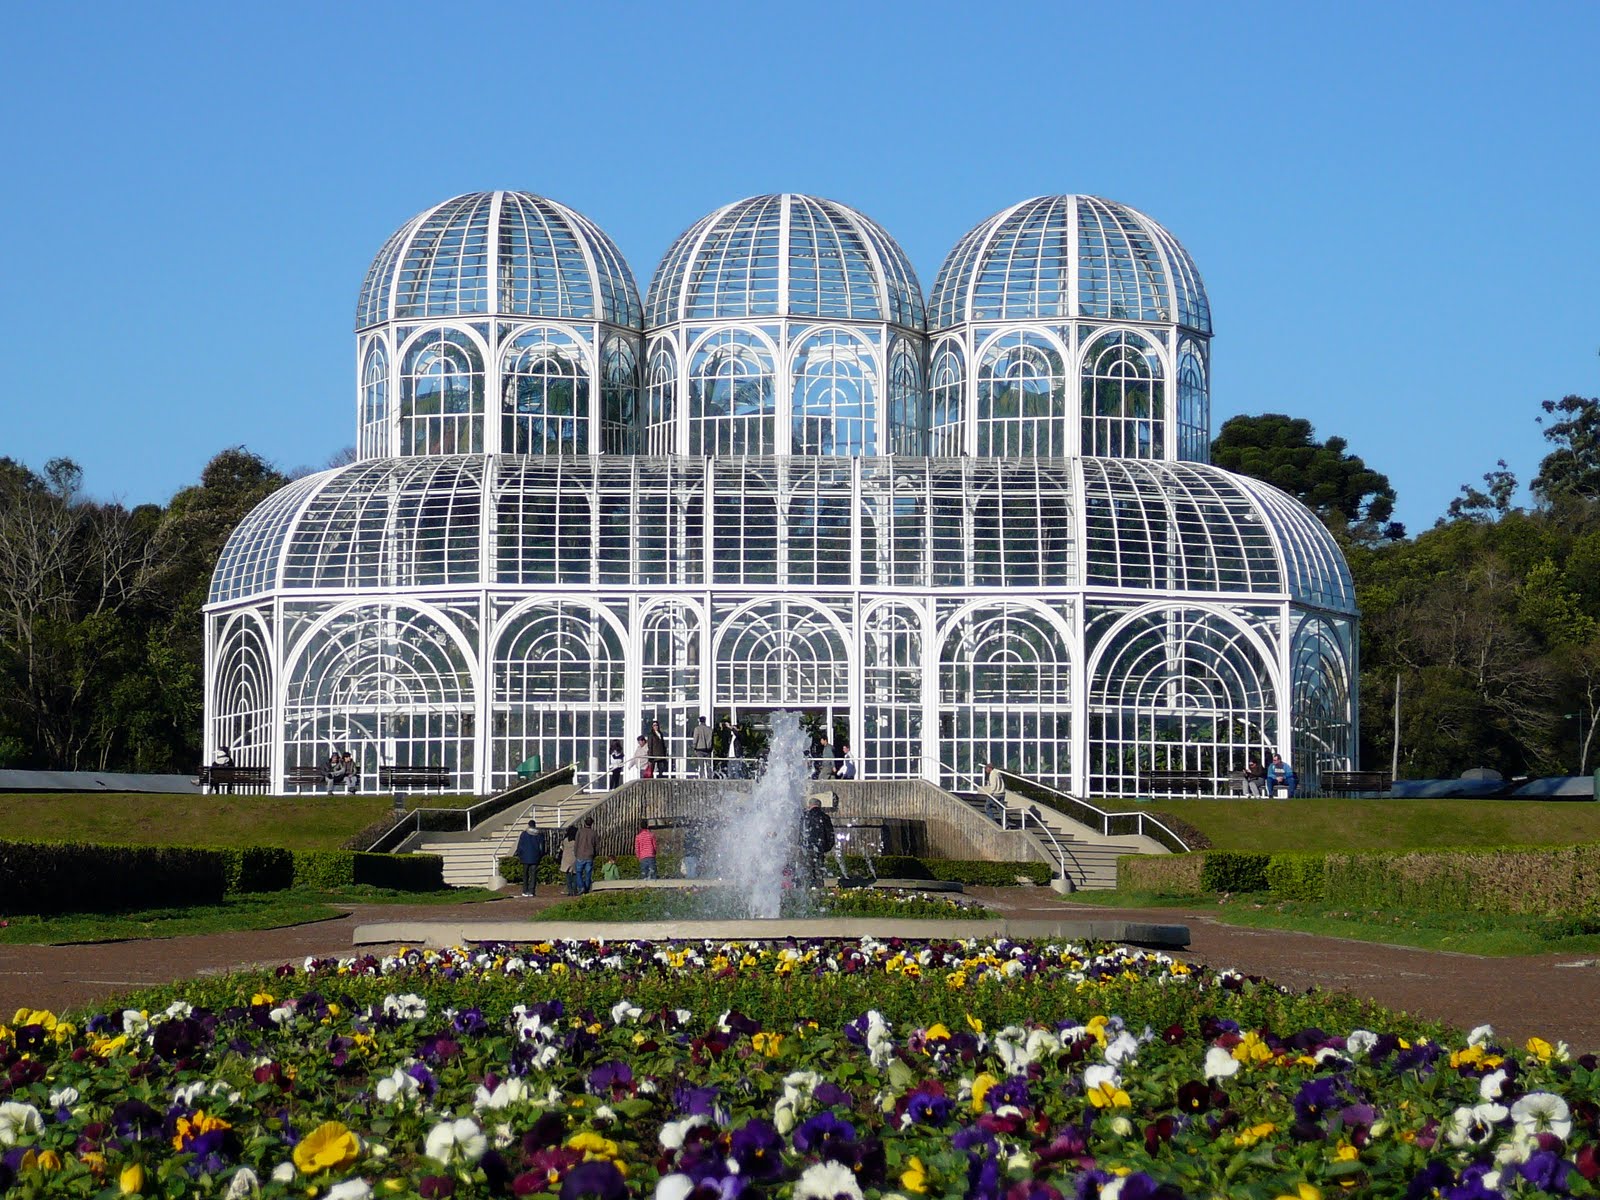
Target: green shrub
[
  {"x": 258, "y": 869},
  {"x": 56, "y": 877},
  {"x": 1233, "y": 871},
  {"x": 330, "y": 870},
  {"x": 1297, "y": 876}
]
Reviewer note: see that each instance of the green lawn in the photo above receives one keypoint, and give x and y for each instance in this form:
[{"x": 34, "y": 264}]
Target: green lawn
[
  {"x": 258, "y": 910},
  {"x": 1384, "y": 824},
  {"x": 139, "y": 818},
  {"x": 1465, "y": 933}
]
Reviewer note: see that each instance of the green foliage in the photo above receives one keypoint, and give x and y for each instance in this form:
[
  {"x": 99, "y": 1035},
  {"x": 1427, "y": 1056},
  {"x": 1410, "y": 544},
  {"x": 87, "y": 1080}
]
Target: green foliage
[
  {"x": 58, "y": 877},
  {"x": 1284, "y": 452},
  {"x": 1231, "y": 871},
  {"x": 1572, "y": 469},
  {"x": 1296, "y": 876}
]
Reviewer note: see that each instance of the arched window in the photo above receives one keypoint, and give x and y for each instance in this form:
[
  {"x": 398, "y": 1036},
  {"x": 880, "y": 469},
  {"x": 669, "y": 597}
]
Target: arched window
[
  {"x": 1021, "y": 399},
  {"x": 908, "y": 416},
  {"x": 782, "y": 652},
  {"x": 1005, "y": 694},
  {"x": 545, "y": 402},
  {"x": 1321, "y": 711},
  {"x": 375, "y": 404},
  {"x": 619, "y": 408},
  {"x": 660, "y": 417},
  {"x": 891, "y": 698},
  {"x": 441, "y": 395},
  {"x": 946, "y": 383},
  {"x": 1177, "y": 690},
  {"x": 1194, "y": 404},
  {"x": 1124, "y": 398},
  {"x": 388, "y": 683},
  {"x": 835, "y": 389},
  {"x": 669, "y": 672},
  {"x": 241, "y": 719},
  {"x": 731, "y": 396},
  {"x": 558, "y": 688}
]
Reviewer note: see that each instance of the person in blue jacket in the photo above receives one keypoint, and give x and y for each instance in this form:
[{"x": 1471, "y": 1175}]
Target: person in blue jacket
[
  {"x": 531, "y": 849},
  {"x": 1280, "y": 775}
]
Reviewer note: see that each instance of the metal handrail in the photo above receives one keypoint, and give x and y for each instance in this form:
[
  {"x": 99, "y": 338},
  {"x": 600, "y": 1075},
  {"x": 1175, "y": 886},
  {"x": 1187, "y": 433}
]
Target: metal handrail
[
  {"x": 1084, "y": 813},
  {"x": 1060, "y": 854},
  {"x": 464, "y": 818}
]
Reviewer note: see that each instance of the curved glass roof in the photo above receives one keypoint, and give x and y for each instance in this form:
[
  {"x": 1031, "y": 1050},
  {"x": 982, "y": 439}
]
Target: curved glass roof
[
  {"x": 500, "y": 254},
  {"x": 1172, "y": 529},
  {"x": 786, "y": 255},
  {"x": 1069, "y": 256}
]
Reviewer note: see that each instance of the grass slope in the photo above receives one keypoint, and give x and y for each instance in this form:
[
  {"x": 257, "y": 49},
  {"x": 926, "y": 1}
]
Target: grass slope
[
  {"x": 142, "y": 819},
  {"x": 1269, "y": 825}
]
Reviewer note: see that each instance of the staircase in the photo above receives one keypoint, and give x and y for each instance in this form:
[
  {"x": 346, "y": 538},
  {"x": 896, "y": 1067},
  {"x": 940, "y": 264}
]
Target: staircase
[
  {"x": 1084, "y": 859},
  {"x": 473, "y": 859}
]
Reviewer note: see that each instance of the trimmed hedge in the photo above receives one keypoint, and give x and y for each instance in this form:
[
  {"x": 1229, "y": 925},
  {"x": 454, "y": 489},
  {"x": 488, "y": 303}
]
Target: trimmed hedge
[
  {"x": 56, "y": 877},
  {"x": 975, "y": 872},
  {"x": 1556, "y": 882}
]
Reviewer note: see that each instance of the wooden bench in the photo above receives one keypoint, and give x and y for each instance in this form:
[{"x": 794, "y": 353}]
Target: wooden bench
[
  {"x": 307, "y": 777},
  {"x": 1177, "y": 781},
  {"x": 1351, "y": 782},
  {"x": 390, "y": 778},
  {"x": 219, "y": 776}
]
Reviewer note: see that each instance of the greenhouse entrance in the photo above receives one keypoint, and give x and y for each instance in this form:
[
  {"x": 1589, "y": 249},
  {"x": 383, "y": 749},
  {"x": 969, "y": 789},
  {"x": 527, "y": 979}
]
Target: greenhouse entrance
[{"x": 834, "y": 718}]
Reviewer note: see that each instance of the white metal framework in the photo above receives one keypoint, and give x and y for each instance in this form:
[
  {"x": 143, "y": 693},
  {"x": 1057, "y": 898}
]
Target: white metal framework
[{"x": 909, "y": 535}]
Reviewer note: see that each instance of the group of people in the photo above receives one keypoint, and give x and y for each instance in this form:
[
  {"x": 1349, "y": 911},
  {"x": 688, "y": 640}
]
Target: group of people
[
  {"x": 1277, "y": 776},
  {"x": 340, "y": 769},
  {"x": 713, "y": 753}
]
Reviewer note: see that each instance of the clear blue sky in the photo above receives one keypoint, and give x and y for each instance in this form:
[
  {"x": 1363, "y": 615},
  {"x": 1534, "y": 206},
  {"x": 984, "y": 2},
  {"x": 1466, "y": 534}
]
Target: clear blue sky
[{"x": 1393, "y": 206}]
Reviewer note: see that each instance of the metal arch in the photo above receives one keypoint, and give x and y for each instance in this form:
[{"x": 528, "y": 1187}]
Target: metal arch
[
  {"x": 1269, "y": 654},
  {"x": 942, "y": 630},
  {"x": 1317, "y": 555},
  {"x": 501, "y": 622},
  {"x": 730, "y": 621}
]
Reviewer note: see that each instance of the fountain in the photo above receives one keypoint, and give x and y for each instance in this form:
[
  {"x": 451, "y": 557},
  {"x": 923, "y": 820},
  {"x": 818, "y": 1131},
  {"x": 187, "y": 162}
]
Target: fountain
[{"x": 758, "y": 835}]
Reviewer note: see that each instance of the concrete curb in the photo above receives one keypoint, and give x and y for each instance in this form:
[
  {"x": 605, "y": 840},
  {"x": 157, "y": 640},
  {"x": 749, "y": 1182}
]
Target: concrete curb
[{"x": 441, "y": 934}]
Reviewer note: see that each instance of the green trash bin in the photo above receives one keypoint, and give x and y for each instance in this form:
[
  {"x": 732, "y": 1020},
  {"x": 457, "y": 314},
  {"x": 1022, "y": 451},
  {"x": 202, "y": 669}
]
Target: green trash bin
[{"x": 528, "y": 767}]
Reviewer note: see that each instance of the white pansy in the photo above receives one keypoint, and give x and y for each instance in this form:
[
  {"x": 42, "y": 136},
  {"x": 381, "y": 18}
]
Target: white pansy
[
  {"x": 281, "y": 1015},
  {"x": 65, "y": 1098},
  {"x": 605, "y": 1113},
  {"x": 134, "y": 1022},
  {"x": 243, "y": 1183},
  {"x": 1123, "y": 1048},
  {"x": 506, "y": 1093},
  {"x": 827, "y": 1181},
  {"x": 1481, "y": 1035},
  {"x": 783, "y": 1116},
  {"x": 674, "y": 1187},
  {"x": 622, "y": 1012},
  {"x": 350, "y": 1189},
  {"x": 284, "y": 1173},
  {"x": 396, "y": 1088},
  {"x": 1492, "y": 1085},
  {"x": 647, "y": 1087},
  {"x": 1122, "y": 1127},
  {"x": 1220, "y": 1064},
  {"x": 409, "y": 1007},
  {"x": 18, "y": 1120},
  {"x": 1473, "y": 1125},
  {"x": 1542, "y": 1112},
  {"x": 1360, "y": 1041},
  {"x": 1100, "y": 1075},
  {"x": 673, "y": 1132},
  {"x": 186, "y": 1094},
  {"x": 1514, "y": 1149},
  {"x": 178, "y": 1009},
  {"x": 683, "y": 1015},
  {"x": 504, "y": 1135},
  {"x": 1327, "y": 1055},
  {"x": 452, "y": 1142}
]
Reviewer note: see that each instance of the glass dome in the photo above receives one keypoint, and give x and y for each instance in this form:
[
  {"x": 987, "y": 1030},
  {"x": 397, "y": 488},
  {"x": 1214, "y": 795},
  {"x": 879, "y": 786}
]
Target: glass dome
[
  {"x": 499, "y": 254},
  {"x": 1069, "y": 256},
  {"x": 786, "y": 255}
]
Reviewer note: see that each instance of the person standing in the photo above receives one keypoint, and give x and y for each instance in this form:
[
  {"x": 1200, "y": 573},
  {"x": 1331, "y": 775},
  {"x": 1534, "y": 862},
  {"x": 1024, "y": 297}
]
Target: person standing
[
  {"x": 658, "y": 750},
  {"x": 530, "y": 852},
  {"x": 616, "y": 759},
  {"x": 644, "y": 849},
  {"x": 816, "y": 839},
  {"x": 583, "y": 857},
  {"x": 569, "y": 859},
  {"x": 738, "y": 750},
  {"x": 700, "y": 748},
  {"x": 847, "y": 765},
  {"x": 825, "y": 759},
  {"x": 639, "y": 761}
]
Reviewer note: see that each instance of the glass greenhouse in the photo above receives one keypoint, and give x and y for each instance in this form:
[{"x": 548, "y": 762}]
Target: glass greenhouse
[{"x": 981, "y": 528}]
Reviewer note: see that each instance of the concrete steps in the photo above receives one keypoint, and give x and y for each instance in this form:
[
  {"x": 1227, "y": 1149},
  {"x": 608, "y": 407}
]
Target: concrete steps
[{"x": 472, "y": 859}]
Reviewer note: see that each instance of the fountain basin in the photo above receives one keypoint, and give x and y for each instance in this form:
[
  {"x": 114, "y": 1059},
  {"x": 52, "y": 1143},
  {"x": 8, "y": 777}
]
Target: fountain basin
[{"x": 439, "y": 935}]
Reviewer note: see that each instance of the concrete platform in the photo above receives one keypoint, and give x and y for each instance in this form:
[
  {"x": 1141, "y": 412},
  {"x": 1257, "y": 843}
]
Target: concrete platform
[
  {"x": 679, "y": 884},
  {"x": 442, "y": 934}
]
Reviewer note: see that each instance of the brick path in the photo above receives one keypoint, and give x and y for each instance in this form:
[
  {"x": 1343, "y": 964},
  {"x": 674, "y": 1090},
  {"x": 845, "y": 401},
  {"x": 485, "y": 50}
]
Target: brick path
[{"x": 1555, "y": 996}]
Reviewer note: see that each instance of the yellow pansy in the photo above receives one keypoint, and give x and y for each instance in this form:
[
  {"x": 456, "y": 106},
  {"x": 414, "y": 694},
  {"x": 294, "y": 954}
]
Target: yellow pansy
[
  {"x": 767, "y": 1043},
  {"x": 94, "y": 1160},
  {"x": 1302, "y": 1191},
  {"x": 1251, "y": 1049},
  {"x": 1097, "y": 1029},
  {"x": 1108, "y": 1095},
  {"x": 936, "y": 1032},
  {"x": 915, "y": 1177},
  {"x": 106, "y": 1047},
  {"x": 328, "y": 1147},
  {"x": 1540, "y": 1049},
  {"x": 262, "y": 998},
  {"x": 195, "y": 1125},
  {"x": 1249, "y": 1137},
  {"x": 592, "y": 1146},
  {"x": 131, "y": 1181},
  {"x": 49, "y": 1160},
  {"x": 980, "y": 1089},
  {"x": 1345, "y": 1152},
  {"x": 974, "y": 1024},
  {"x": 956, "y": 979}
]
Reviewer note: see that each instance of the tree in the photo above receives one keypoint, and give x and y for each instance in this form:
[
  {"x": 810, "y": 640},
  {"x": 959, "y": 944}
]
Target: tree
[
  {"x": 1572, "y": 469},
  {"x": 1283, "y": 451},
  {"x": 1489, "y": 504}
]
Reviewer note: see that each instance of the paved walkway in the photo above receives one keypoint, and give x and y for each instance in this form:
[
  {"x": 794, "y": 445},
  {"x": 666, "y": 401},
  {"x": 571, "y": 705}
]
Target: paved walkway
[{"x": 1555, "y": 996}]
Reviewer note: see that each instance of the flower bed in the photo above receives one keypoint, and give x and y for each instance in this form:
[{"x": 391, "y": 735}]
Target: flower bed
[
  {"x": 805, "y": 1071},
  {"x": 668, "y": 904}
]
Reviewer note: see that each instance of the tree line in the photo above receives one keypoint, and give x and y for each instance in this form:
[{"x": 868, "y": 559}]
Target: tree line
[{"x": 1489, "y": 622}]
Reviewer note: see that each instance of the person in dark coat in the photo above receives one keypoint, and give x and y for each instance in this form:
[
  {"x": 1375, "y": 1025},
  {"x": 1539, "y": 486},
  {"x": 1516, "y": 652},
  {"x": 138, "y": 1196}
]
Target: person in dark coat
[
  {"x": 816, "y": 840},
  {"x": 531, "y": 847},
  {"x": 658, "y": 750},
  {"x": 583, "y": 856}
]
